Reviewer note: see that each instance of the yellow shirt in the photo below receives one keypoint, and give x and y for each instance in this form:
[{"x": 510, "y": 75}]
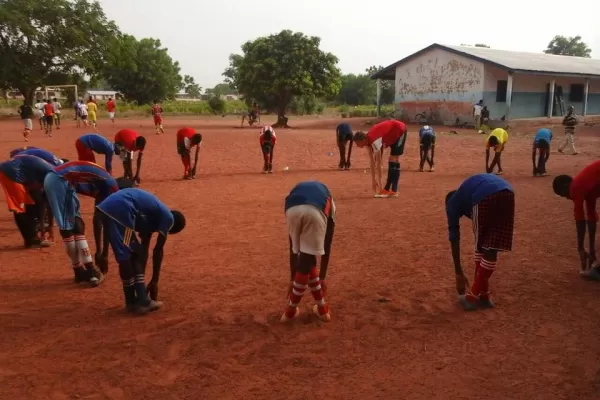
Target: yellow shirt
[
  {"x": 92, "y": 108},
  {"x": 502, "y": 137}
]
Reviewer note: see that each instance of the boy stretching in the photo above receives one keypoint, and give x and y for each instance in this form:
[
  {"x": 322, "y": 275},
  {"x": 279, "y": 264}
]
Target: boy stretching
[
  {"x": 541, "y": 144},
  {"x": 267, "y": 141},
  {"x": 343, "y": 134},
  {"x": 497, "y": 140},
  {"x": 426, "y": 144},
  {"x": 186, "y": 139}
]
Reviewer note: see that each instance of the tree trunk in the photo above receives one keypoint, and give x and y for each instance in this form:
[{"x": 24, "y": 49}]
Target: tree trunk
[
  {"x": 282, "y": 120},
  {"x": 28, "y": 95}
]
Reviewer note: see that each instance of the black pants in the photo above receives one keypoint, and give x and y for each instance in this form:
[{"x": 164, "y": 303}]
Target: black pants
[{"x": 27, "y": 224}]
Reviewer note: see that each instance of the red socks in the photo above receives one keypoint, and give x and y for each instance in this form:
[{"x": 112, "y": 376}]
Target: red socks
[
  {"x": 482, "y": 276},
  {"x": 300, "y": 284},
  {"x": 186, "y": 164},
  {"x": 314, "y": 283}
]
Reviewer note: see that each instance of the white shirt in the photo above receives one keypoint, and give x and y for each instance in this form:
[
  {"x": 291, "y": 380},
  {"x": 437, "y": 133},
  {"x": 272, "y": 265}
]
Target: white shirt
[
  {"x": 84, "y": 110},
  {"x": 377, "y": 145},
  {"x": 477, "y": 110},
  {"x": 267, "y": 128},
  {"x": 56, "y": 106}
]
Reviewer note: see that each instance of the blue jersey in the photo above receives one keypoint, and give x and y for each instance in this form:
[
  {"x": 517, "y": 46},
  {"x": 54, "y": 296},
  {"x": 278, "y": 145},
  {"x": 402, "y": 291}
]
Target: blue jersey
[
  {"x": 19, "y": 150},
  {"x": 426, "y": 131},
  {"x": 344, "y": 131},
  {"x": 471, "y": 192},
  {"x": 543, "y": 134},
  {"x": 43, "y": 154},
  {"x": 310, "y": 193},
  {"x": 101, "y": 145},
  {"x": 27, "y": 170},
  {"x": 138, "y": 210},
  {"x": 88, "y": 178}
]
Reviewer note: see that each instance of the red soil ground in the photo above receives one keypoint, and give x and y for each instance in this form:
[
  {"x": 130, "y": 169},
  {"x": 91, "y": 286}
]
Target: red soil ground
[{"x": 225, "y": 277}]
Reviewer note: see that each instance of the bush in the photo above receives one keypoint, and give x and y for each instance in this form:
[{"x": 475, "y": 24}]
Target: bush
[{"x": 216, "y": 104}]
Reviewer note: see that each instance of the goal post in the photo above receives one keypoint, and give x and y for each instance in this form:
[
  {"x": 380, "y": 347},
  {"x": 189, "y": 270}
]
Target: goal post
[{"x": 55, "y": 87}]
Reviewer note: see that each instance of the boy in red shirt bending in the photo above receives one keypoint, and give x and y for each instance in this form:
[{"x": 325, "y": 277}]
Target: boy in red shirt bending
[
  {"x": 157, "y": 111},
  {"x": 127, "y": 142},
  {"x": 584, "y": 190},
  {"x": 186, "y": 139},
  {"x": 390, "y": 134},
  {"x": 267, "y": 140}
]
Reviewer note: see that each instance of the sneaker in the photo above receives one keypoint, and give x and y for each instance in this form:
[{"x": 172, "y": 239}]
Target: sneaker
[
  {"x": 323, "y": 317},
  {"x": 485, "y": 301},
  {"x": 591, "y": 274},
  {"x": 466, "y": 304},
  {"x": 499, "y": 173},
  {"x": 97, "y": 277},
  {"x": 284, "y": 318},
  {"x": 383, "y": 194},
  {"x": 270, "y": 171},
  {"x": 148, "y": 307},
  {"x": 560, "y": 151},
  {"x": 187, "y": 177},
  {"x": 431, "y": 169},
  {"x": 81, "y": 275},
  {"x": 575, "y": 153},
  {"x": 392, "y": 194},
  {"x": 420, "y": 169}
]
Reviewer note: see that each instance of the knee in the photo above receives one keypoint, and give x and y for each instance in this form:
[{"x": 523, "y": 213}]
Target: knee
[
  {"x": 490, "y": 255},
  {"x": 65, "y": 234},
  {"x": 306, "y": 262}
]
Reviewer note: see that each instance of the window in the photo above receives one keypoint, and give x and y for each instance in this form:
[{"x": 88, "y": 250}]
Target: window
[
  {"x": 576, "y": 93},
  {"x": 501, "y": 87}
]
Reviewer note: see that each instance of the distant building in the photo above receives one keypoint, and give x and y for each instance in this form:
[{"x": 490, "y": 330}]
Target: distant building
[
  {"x": 449, "y": 80},
  {"x": 101, "y": 94},
  {"x": 183, "y": 96}
]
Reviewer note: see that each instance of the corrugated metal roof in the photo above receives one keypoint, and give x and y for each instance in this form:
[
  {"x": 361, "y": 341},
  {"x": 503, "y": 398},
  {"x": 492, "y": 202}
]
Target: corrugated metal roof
[
  {"x": 101, "y": 92},
  {"x": 517, "y": 61}
]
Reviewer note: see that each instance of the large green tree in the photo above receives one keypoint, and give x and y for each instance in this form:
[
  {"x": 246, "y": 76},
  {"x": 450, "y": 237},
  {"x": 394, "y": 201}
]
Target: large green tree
[
  {"x": 274, "y": 69},
  {"x": 356, "y": 90},
  {"x": 568, "y": 46},
  {"x": 387, "y": 87},
  {"x": 39, "y": 39},
  {"x": 142, "y": 70},
  {"x": 191, "y": 87}
]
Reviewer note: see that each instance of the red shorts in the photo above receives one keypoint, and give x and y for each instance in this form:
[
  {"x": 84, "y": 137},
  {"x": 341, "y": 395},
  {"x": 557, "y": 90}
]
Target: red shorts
[
  {"x": 84, "y": 153},
  {"x": 158, "y": 120},
  {"x": 17, "y": 196},
  {"x": 493, "y": 221}
]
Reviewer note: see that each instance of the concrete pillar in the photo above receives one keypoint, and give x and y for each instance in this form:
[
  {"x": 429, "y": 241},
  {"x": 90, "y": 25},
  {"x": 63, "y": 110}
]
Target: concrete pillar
[
  {"x": 551, "y": 100},
  {"x": 378, "y": 96},
  {"x": 586, "y": 91},
  {"x": 509, "y": 89}
]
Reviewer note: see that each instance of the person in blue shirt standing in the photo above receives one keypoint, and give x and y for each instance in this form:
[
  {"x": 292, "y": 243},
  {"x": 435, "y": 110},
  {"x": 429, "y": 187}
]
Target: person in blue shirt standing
[
  {"x": 541, "y": 144},
  {"x": 310, "y": 217},
  {"x": 426, "y": 144},
  {"x": 343, "y": 134},
  {"x": 131, "y": 211},
  {"x": 490, "y": 202},
  {"x": 91, "y": 143}
]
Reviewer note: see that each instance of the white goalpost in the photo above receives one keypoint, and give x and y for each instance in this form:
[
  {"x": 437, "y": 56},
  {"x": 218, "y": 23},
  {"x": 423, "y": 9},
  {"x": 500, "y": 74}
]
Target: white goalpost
[{"x": 58, "y": 87}]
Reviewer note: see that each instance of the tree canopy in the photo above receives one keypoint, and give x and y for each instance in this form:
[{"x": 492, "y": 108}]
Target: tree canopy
[
  {"x": 191, "y": 87},
  {"x": 142, "y": 70},
  {"x": 568, "y": 46},
  {"x": 387, "y": 87},
  {"x": 276, "y": 68},
  {"x": 39, "y": 40}
]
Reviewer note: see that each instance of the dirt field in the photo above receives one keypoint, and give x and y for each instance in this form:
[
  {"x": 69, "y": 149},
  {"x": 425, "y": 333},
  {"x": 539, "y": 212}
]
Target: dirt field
[{"x": 225, "y": 276}]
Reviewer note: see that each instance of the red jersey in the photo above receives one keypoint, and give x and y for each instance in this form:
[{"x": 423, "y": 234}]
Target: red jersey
[
  {"x": 157, "y": 110},
  {"x": 585, "y": 189},
  {"x": 110, "y": 106},
  {"x": 388, "y": 131},
  {"x": 48, "y": 110},
  {"x": 262, "y": 139},
  {"x": 127, "y": 137},
  {"x": 184, "y": 137}
]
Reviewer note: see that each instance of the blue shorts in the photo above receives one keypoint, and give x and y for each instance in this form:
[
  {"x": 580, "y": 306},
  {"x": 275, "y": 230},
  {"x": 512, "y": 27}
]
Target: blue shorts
[
  {"x": 63, "y": 201},
  {"x": 123, "y": 241}
]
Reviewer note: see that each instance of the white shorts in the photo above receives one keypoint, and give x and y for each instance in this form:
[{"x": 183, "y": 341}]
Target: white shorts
[
  {"x": 40, "y": 114},
  {"x": 307, "y": 227},
  {"x": 28, "y": 124},
  {"x": 124, "y": 153},
  {"x": 111, "y": 115}
]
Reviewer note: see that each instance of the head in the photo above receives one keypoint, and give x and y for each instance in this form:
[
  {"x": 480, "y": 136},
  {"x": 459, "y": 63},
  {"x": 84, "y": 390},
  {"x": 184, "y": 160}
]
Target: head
[
  {"x": 493, "y": 141},
  {"x": 90, "y": 99},
  {"x": 178, "y": 222},
  {"x": 117, "y": 149},
  {"x": 124, "y": 183},
  {"x": 140, "y": 143},
  {"x": 49, "y": 101},
  {"x": 485, "y": 108},
  {"x": 24, "y": 102},
  {"x": 110, "y": 99},
  {"x": 562, "y": 186},
  {"x": 155, "y": 101},
  {"x": 44, "y": 101},
  {"x": 570, "y": 110},
  {"x": 449, "y": 196},
  {"x": 196, "y": 139},
  {"x": 360, "y": 138},
  {"x": 55, "y": 100},
  {"x": 480, "y": 102}
]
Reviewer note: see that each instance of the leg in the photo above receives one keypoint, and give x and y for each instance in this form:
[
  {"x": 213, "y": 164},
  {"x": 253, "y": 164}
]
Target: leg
[
  {"x": 422, "y": 155},
  {"x": 271, "y": 154},
  {"x": 327, "y": 248},
  {"x": 84, "y": 253},
  {"x": 342, "y": 150},
  {"x": 186, "y": 161}
]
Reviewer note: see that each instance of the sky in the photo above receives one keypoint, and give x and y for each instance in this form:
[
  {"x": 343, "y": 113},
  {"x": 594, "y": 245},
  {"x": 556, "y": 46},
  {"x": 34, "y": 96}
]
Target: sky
[{"x": 201, "y": 34}]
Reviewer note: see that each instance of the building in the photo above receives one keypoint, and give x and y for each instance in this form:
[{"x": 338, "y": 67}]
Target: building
[
  {"x": 183, "y": 96},
  {"x": 448, "y": 80},
  {"x": 101, "y": 94}
]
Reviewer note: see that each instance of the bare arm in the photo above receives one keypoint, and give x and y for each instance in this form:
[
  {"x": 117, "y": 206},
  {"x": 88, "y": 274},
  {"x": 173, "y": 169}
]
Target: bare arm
[
  {"x": 487, "y": 160},
  {"x": 138, "y": 167}
]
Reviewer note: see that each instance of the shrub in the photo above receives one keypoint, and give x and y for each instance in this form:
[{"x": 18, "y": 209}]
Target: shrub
[{"x": 216, "y": 104}]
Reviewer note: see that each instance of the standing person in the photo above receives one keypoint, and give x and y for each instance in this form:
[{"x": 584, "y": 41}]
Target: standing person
[
  {"x": 570, "y": 121},
  {"x": 83, "y": 113},
  {"x": 541, "y": 143},
  {"x": 267, "y": 140},
  {"x": 186, "y": 139},
  {"x": 392, "y": 134},
  {"x": 26, "y": 113},
  {"x": 343, "y": 134},
  {"x": 111, "y": 107},
  {"x": 22, "y": 179},
  {"x": 310, "y": 217},
  {"x": 57, "y": 106},
  {"x": 91, "y": 143},
  {"x": 496, "y": 140},
  {"x": 39, "y": 107},
  {"x": 477, "y": 109},
  {"x": 583, "y": 190},
  {"x": 131, "y": 211},
  {"x": 92, "y": 110},
  {"x": 77, "y": 111},
  {"x": 489, "y": 201},
  {"x": 426, "y": 144},
  {"x": 127, "y": 142},
  {"x": 157, "y": 111},
  {"x": 49, "y": 117}
]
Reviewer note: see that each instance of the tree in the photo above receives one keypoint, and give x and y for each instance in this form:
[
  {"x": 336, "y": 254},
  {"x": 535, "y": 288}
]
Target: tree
[
  {"x": 356, "y": 90},
  {"x": 388, "y": 93},
  {"x": 223, "y": 89},
  {"x": 276, "y": 68},
  {"x": 568, "y": 46},
  {"x": 38, "y": 39},
  {"x": 191, "y": 87},
  {"x": 142, "y": 70}
]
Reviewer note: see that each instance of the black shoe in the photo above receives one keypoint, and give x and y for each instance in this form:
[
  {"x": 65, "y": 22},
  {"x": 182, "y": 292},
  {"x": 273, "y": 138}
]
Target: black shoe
[{"x": 81, "y": 275}]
